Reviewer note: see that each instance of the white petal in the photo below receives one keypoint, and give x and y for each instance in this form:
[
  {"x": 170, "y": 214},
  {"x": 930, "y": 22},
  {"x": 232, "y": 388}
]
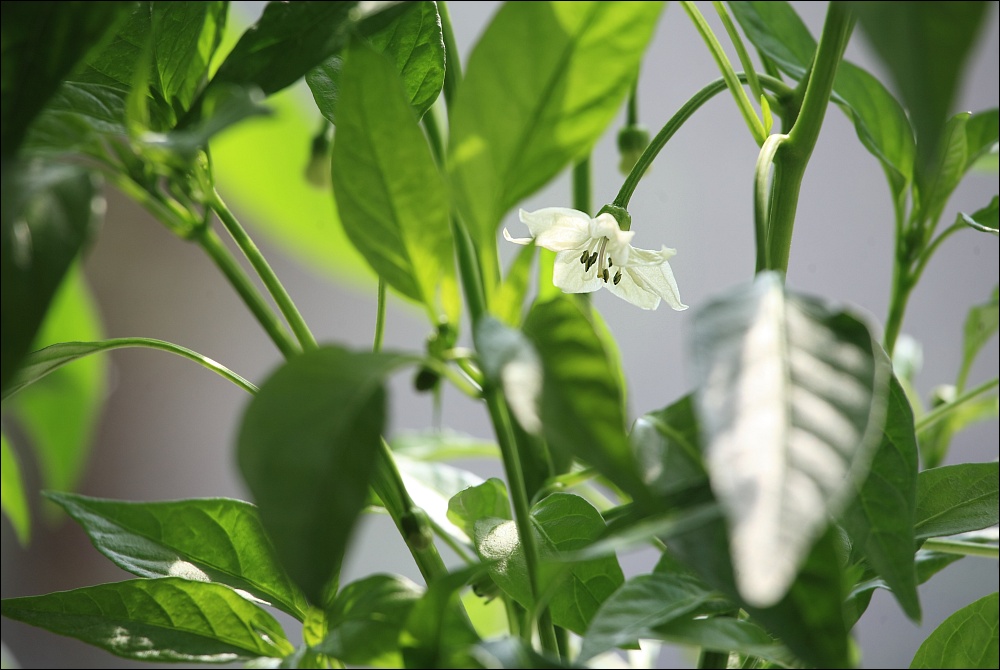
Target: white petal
[
  {"x": 658, "y": 279},
  {"x": 606, "y": 225},
  {"x": 542, "y": 219},
  {"x": 568, "y": 274},
  {"x": 523, "y": 241},
  {"x": 650, "y": 257},
  {"x": 633, "y": 291}
]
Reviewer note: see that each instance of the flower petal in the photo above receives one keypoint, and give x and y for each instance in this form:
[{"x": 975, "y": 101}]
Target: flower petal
[
  {"x": 558, "y": 228},
  {"x": 523, "y": 241},
  {"x": 659, "y": 280},
  {"x": 568, "y": 274},
  {"x": 632, "y": 289},
  {"x": 649, "y": 257},
  {"x": 619, "y": 240}
]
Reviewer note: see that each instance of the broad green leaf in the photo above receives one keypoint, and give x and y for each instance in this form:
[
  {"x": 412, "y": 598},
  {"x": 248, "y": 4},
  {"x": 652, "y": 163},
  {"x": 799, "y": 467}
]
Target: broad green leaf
[
  {"x": 522, "y": 114},
  {"x": 563, "y": 522},
  {"x": 966, "y": 639},
  {"x": 307, "y": 449},
  {"x": 880, "y": 520},
  {"x": 581, "y": 408},
  {"x": 59, "y": 414},
  {"x": 508, "y": 303},
  {"x": 366, "y": 618},
  {"x": 925, "y": 46},
  {"x": 411, "y": 38},
  {"x": 208, "y": 539},
  {"x": 880, "y": 121},
  {"x": 982, "y": 133},
  {"x": 512, "y": 652},
  {"x": 980, "y": 326},
  {"x": 487, "y": 500},
  {"x": 985, "y": 219},
  {"x": 935, "y": 439},
  {"x": 725, "y": 634},
  {"x": 431, "y": 486},
  {"x": 510, "y": 362},
  {"x": 437, "y": 633},
  {"x": 935, "y": 186},
  {"x": 666, "y": 446},
  {"x": 40, "y": 48},
  {"x": 791, "y": 402},
  {"x": 12, "y": 498},
  {"x": 957, "y": 498},
  {"x": 167, "y": 620},
  {"x": 390, "y": 195},
  {"x": 46, "y": 215},
  {"x": 641, "y": 604},
  {"x": 77, "y": 119}
]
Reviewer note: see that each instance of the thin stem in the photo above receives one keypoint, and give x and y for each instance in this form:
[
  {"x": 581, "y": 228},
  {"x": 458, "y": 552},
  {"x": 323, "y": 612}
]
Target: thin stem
[
  {"x": 762, "y": 173},
  {"x": 732, "y": 82},
  {"x": 632, "y": 110},
  {"x": 432, "y": 125},
  {"x": 686, "y": 111},
  {"x": 581, "y": 185},
  {"x": 941, "y": 411},
  {"x": 379, "y": 317},
  {"x": 453, "y": 62},
  {"x": 741, "y": 50},
  {"x": 264, "y": 271},
  {"x": 962, "y": 548}
]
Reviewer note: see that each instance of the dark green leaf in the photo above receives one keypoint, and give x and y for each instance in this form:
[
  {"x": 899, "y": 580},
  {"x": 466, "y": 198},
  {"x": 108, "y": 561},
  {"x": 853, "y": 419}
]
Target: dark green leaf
[
  {"x": 957, "y": 498},
  {"x": 390, "y": 195},
  {"x": 985, "y": 219},
  {"x": 366, "y": 618},
  {"x": 966, "y": 639},
  {"x": 210, "y": 539},
  {"x": 925, "y": 45},
  {"x": 641, "y": 604},
  {"x": 880, "y": 521},
  {"x": 510, "y": 362},
  {"x": 725, "y": 634},
  {"x": 666, "y": 446},
  {"x": 489, "y": 499},
  {"x": 582, "y": 413},
  {"x": 563, "y": 522},
  {"x": 40, "y": 48},
  {"x": 77, "y": 118},
  {"x": 411, "y": 38},
  {"x": 512, "y": 652},
  {"x": 792, "y": 398},
  {"x": 47, "y": 215},
  {"x": 523, "y": 113},
  {"x": 307, "y": 449},
  {"x": 12, "y": 498},
  {"x": 170, "y": 619},
  {"x": 437, "y": 632},
  {"x": 936, "y": 184}
]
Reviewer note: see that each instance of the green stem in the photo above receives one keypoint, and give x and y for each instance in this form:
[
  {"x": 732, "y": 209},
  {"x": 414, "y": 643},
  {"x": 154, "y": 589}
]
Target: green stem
[
  {"x": 792, "y": 159},
  {"x": 453, "y": 62},
  {"x": 581, "y": 186},
  {"x": 941, "y": 411},
  {"x": 264, "y": 271},
  {"x": 632, "y": 110},
  {"x": 762, "y": 172},
  {"x": 713, "y": 659},
  {"x": 686, "y": 111},
  {"x": 40, "y": 363},
  {"x": 741, "y": 50},
  {"x": 732, "y": 82},
  {"x": 379, "y": 317},
  {"x": 962, "y": 548}
]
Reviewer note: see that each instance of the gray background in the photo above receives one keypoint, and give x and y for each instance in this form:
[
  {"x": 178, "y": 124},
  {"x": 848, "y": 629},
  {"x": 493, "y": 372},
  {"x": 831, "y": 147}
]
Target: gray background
[{"x": 168, "y": 427}]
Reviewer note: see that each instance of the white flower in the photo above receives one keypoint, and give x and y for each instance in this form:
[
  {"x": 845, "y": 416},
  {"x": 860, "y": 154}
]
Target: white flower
[{"x": 591, "y": 253}]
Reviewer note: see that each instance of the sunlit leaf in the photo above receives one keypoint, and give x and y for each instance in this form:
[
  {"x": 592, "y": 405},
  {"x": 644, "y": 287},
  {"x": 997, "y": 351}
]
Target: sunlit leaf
[
  {"x": 487, "y": 500},
  {"x": 12, "y": 498},
  {"x": 966, "y": 639}
]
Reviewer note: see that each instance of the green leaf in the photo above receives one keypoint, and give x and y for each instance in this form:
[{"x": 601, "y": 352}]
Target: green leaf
[
  {"x": 76, "y": 120},
  {"x": 562, "y": 522},
  {"x": 489, "y": 499},
  {"x": 437, "y": 632},
  {"x": 442, "y": 445},
  {"x": 980, "y": 326},
  {"x": 40, "y": 48},
  {"x": 981, "y": 133},
  {"x": 966, "y": 639},
  {"x": 641, "y": 604},
  {"x": 725, "y": 634},
  {"x": 307, "y": 449},
  {"x": 880, "y": 521},
  {"x": 581, "y": 408},
  {"x": 390, "y": 195},
  {"x": 666, "y": 446},
  {"x": 508, "y": 303},
  {"x": 209, "y": 539},
  {"x": 59, "y": 414},
  {"x": 47, "y": 215},
  {"x": 791, "y": 404},
  {"x": 925, "y": 46},
  {"x": 366, "y": 618},
  {"x": 957, "y": 498},
  {"x": 510, "y": 362},
  {"x": 512, "y": 652},
  {"x": 432, "y": 485},
  {"x": 985, "y": 219},
  {"x": 12, "y": 498},
  {"x": 411, "y": 38},
  {"x": 167, "y": 620},
  {"x": 522, "y": 114},
  {"x": 936, "y": 184}
]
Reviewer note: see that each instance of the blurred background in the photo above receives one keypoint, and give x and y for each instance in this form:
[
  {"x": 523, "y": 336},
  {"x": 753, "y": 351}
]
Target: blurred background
[{"x": 168, "y": 427}]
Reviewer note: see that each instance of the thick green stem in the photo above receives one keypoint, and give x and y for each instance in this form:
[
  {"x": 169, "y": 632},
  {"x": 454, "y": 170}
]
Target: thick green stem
[
  {"x": 942, "y": 411},
  {"x": 791, "y": 160},
  {"x": 962, "y": 548},
  {"x": 264, "y": 271},
  {"x": 901, "y": 289},
  {"x": 686, "y": 111},
  {"x": 761, "y": 195}
]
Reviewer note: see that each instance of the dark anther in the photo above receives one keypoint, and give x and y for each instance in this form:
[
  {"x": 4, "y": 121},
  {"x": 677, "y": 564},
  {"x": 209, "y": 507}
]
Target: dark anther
[
  {"x": 584, "y": 257},
  {"x": 604, "y": 275},
  {"x": 618, "y": 277}
]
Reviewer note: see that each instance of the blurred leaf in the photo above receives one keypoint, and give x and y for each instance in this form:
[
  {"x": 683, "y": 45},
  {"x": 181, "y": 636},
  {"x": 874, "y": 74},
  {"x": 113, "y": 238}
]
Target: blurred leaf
[
  {"x": 985, "y": 219},
  {"x": 966, "y": 639},
  {"x": 40, "y": 48},
  {"x": 432, "y": 485},
  {"x": 59, "y": 413},
  {"x": 512, "y": 652},
  {"x": 366, "y": 618},
  {"x": 666, "y": 446},
  {"x": 209, "y": 539},
  {"x": 12, "y": 498},
  {"x": 486, "y": 500},
  {"x": 925, "y": 46},
  {"x": 880, "y": 520},
  {"x": 390, "y": 195},
  {"x": 307, "y": 449},
  {"x": 521, "y": 115},
  {"x": 791, "y": 404},
  {"x": 444, "y": 445},
  {"x": 170, "y": 619},
  {"x": 725, "y": 634},
  {"x": 936, "y": 438},
  {"x": 411, "y": 38},
  {"x": 508, "y": 303},
  {"x": 48, "y": 213},
  {"x": 981, "y": 133},
  {"x": 980, "y": 326},
  {"x": 510, "y": 362},
  {"x": 957, "y": 498},
  {"x": 77, "y": 118},
  {"x": 938, "y": 182},
  {"x": 437, "y": 632},
  {"x": 581, "y": 408}
]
